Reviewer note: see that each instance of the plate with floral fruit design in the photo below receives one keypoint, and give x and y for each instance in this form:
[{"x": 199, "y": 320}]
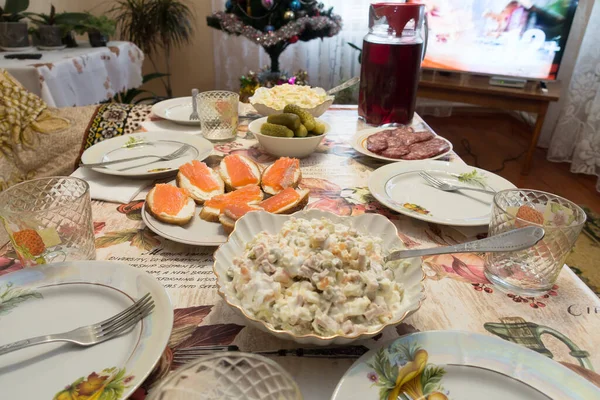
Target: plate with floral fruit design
[
  {"x": 451, "y": 365},
  {"x": 400, "y": 187},
  {"x": 55, "y": 298}
]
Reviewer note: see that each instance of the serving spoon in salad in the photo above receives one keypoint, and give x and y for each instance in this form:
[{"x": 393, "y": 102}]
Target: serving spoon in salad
[{"x": 514, "y": 240}]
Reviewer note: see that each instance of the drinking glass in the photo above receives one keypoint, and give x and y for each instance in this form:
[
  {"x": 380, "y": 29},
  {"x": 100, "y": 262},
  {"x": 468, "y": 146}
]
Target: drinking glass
[
  {"x": 49, "y": 220},
  {"x": 218, "y": 111},
  {"x": 229, "y": 376},
  {"x": 532, "y": 272}
]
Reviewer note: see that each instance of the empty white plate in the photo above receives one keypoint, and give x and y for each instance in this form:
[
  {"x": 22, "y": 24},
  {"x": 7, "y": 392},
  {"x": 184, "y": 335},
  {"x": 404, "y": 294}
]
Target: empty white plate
[
  {"x": 146, "y": 143},
  {"x": 177, "y": 110},
  {"x": 399, "y": 187},
  {"x": 56, "y": 298},
  {"x": 445, "y": 365}
]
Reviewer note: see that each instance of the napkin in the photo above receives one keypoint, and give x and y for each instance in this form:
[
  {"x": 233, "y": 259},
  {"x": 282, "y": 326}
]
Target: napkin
[{"x": 114, "y": 189}]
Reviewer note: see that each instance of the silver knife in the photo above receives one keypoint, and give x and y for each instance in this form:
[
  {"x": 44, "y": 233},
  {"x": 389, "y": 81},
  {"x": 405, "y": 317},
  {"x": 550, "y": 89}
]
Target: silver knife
[{"x": 514, "y": 240}]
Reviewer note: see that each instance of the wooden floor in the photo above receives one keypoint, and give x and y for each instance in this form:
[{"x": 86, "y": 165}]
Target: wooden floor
[{"x": 495, "y": 137}]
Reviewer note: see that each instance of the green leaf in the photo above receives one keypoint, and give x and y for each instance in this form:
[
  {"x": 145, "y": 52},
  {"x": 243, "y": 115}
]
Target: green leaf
[
  {"x": 15, "y": 6},
  {"x": 144, "y": 239},
  {"x": 115, "y": 238},
  {"x": 11, "y": 297},
  {"x": 384, "y": 393},
  {"x": 431, "y": 378},
  {"x": 473, "y": 178}
]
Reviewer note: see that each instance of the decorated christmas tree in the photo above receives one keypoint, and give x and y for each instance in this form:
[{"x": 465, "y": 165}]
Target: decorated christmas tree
[{"x": 275, "y": 24}]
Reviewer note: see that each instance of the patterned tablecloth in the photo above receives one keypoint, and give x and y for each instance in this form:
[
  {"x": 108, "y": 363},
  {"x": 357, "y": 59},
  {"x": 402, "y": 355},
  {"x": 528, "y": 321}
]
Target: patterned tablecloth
[
  {"x": 459, "y": 297},
  {"x": 79, "y": 76}
]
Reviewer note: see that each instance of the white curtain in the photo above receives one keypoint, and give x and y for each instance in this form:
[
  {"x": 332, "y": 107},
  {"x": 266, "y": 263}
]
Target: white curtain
[
  {"x": 328, "y": 62},
  {"x": 576, "y": 137}
]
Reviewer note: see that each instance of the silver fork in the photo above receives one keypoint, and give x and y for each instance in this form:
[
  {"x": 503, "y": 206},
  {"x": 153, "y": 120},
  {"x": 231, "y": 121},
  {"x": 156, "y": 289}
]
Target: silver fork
[
  {"x": 194, "y": 115},
  {"x": 446, "y": 187},
  {"x": 92, "y": 334},
  {"x": 176, "y": 154}
]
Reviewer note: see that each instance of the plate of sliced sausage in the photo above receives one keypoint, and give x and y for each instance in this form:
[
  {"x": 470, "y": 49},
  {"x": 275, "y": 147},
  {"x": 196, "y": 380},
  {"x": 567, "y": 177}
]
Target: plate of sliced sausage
[{"x": 401, "y": 144}]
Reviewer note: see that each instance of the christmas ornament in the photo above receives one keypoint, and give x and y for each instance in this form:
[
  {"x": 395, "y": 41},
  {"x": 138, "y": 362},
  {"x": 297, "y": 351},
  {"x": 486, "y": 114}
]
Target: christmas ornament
[
  {"x": 293, "y": 39},
  {"x": 295, "y": 5},
  {"x": 289, "y": 15},
  {"x": 321, "y": 5},
  {"x": 228, "y": 5},
  {"x": 269, "y": 28},
  {"x": 268, "y": 4}
]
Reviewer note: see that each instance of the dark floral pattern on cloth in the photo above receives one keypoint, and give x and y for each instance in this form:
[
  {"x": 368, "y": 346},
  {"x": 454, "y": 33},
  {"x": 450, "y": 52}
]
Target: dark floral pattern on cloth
[
  {"x": 188, "y": 332},
  {"x": 114, "y": 119}
]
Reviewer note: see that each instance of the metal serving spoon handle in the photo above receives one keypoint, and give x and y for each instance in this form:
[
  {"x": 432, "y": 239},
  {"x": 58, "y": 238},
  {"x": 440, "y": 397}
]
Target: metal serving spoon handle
[{"x": 517, "y": 239}]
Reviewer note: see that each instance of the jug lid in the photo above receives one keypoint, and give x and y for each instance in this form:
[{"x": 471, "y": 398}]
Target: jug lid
[{"x": 397, "y": 14}]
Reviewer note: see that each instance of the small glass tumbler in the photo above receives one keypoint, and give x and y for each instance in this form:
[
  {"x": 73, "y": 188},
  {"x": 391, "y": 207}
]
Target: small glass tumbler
[
  {"x": 49, "y": 220},
  {"x": 532, "y": 272},
  {"x": 229, "y": 376},
  {"x": 218, "y": 114}
]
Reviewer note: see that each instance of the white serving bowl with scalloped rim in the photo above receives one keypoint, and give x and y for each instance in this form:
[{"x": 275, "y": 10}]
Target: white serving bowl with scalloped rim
[{"x": 410, "y": 275}]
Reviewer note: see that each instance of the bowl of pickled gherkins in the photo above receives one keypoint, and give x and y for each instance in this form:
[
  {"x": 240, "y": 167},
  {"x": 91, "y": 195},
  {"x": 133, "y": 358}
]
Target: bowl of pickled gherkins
[{"x": 293, "y": 133}]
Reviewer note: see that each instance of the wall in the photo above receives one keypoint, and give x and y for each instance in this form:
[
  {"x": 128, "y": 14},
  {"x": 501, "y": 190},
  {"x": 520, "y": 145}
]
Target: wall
[{"x": 192, "y": 65}]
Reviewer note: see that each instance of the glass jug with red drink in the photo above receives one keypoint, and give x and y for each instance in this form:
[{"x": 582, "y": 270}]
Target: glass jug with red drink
[{"x": 391, "y": 62}]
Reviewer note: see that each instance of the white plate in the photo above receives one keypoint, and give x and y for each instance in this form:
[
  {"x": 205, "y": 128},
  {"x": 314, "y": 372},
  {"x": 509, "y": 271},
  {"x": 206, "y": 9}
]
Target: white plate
[
  {"x": 411, "y": 276},
  {"x": 197, "y": 232},
  {"x": 399, "y": 185},
  {"x": 155, "y": 143},
  {"x": 460, "y": 365},
  {"x": 177, "y": 110},
  {"x": 359, "y": 143},
  {"x": 59, "y": 297},
  {"x": 16, "y": 49}
]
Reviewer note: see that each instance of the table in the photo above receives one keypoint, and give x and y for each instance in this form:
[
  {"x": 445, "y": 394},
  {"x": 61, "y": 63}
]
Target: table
[
  {"x": 79, "y": 76},
  {"x": 562, "y": 325},
  {"x": 473, "y": 89}
]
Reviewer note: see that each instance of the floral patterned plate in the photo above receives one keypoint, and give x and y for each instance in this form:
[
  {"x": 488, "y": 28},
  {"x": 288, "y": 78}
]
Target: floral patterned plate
[
  {"x": 59, "y": 297},
  {"x": 446, "y": 365},
  {"x": 399, "y": 187}
]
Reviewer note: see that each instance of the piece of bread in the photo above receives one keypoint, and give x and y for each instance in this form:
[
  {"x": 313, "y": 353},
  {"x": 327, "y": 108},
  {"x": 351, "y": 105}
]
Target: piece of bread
[
  {"x": 234, "y": 212},
  {"x": 197, "y": 193},
  {"x": 226, "y": 175},
  {"x": 214, "y": 207},
  {"x": 287, "y": 201},
  {"x": 184, "y": 216},
  {"x": 290, "y": 181}
]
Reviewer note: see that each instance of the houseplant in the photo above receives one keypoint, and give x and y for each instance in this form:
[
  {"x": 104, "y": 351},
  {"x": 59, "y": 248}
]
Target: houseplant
[
  {"x": 52, "y": 28},
  {"x": 99, "y": 29},
  {"x": 13, "y": 32},
  {"x": 157, "y": 27}
]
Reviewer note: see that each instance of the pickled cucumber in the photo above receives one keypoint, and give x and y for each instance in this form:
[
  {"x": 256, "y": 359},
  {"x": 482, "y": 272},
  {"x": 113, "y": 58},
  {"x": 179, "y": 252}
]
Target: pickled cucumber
[
  {"x": 276, "y": 130},
  {"x": 319, "y": 128},
  {"x": 289, "y": 120},
  {"x": 307, "y": 119},
  {"x": 301, "y": 131}
]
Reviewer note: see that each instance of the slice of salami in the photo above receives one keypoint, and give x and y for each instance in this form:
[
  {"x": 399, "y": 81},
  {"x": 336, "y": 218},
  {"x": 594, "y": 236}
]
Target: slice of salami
[
  {"x": 395, "y": 152},
  {"x": 378, "y": 142},
  {"x": 407, "y": 138},
  {"x": 428, "y": 149},
  {"x": 377, "y": 146}
]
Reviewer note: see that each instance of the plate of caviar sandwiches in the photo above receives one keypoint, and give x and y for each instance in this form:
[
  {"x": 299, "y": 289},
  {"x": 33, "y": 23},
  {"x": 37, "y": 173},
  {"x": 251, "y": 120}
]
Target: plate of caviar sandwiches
[{"x": 201, "y": 206}]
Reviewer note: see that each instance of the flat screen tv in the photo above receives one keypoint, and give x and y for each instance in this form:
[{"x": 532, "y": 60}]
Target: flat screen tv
[{"x": 524, "y": 39}]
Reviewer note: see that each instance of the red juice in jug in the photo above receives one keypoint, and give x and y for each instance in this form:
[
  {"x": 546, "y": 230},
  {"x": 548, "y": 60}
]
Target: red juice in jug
[{"x": 388, "y": 82}]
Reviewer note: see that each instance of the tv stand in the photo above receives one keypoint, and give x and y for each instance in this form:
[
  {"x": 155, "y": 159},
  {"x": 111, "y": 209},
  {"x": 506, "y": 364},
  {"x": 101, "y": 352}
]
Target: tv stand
[
  {"x": 508, "y": 82},
  {"x": 476, "y": 89}
]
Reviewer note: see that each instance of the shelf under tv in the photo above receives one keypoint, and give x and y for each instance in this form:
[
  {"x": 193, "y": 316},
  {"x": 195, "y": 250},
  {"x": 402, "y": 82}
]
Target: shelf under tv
[{"x": 476, "y": 89}]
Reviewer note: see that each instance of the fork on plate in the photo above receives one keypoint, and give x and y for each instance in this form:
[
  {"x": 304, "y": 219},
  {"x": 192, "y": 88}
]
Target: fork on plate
[
  {"x": 446, "y": 187},
  {"x": 174, "y": 155},
  {"x": 95, "y": 333},
  {"x": 194, "y": 115}
]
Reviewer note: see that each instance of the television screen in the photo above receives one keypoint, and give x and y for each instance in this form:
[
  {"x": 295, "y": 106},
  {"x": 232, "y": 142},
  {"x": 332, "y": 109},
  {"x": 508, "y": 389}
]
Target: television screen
[{"x": 498, "y": 37}]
